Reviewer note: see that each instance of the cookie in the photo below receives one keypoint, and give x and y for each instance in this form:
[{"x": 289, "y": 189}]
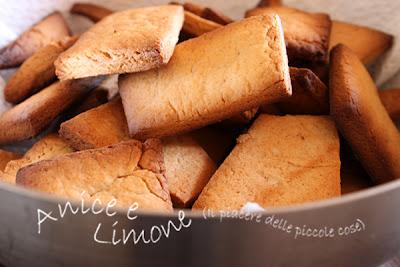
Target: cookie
[
  {"x": 194, "y": 90},
  {"x": 98, "y": 127},
  {"x": 188, "y": 169},
  {"x": 93, "y": 12},
  {"x": 36, "y": 72},
  {"x": 188, "y": 166},
  {"x": 368, "y": 44},
  {"x": 306, "y": 34},
  {"x": 31, "y": 116},
  {"x": 48, "y": 147},
  {"x": 361, "y": 117},
  {"x": 128, "y": 172},
  {"x": 133, "y": 40},
  {"x": 196, "y": 26},
  {"x": 49, "y": 29},
  {"x": 281, "y": 161}
]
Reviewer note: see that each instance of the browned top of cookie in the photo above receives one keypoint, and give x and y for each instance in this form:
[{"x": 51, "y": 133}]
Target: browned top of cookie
[
  {"x": 46, "y": 148},
  {"x": 280, "y": 161},
  {"x": 131, "y": 40},
  {"x": 209, "y": 78},
  {"x": 31, "y": 116},
  {"x": 361, "y": 116},
  {"x": 306, "y": 34},
  {"x": 129, "y": 172},
  {"x": 367, "y": 43},
  {"x": 36, "y": 72},
  {"x": 49, "y": 29}
]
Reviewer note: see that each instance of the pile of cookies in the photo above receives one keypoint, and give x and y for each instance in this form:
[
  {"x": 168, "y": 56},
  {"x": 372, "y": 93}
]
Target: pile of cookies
[{"x": 277, "y": 108}]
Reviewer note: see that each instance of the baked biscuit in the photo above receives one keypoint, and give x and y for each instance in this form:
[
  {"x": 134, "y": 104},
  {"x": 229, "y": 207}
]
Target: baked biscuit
[
  {"x": 310, "y": 95},
  {"x": 367, "y": 43},
  {"x": 6, "y": 157},
  {"x": 51, "y": 28},
  {"x": 131, "y": 41},
  {"x": 36, "y": 72},
  {"x": 306, "y": 34},
  {"x": 102, "y": 126},
  {"x": 194, "y": 90},
  {"x": 93, "y": 12},
  {"x": 46, "y": 148},
  {"x": 391, "y": 101},
  {"x": 361, "y": 116},
  {"x": 188, "y": 169},
  {"x": 129, "y": 172},
  {"x": 31, "y": 116},
  {"x": 281, "y": 161},
  {"x": 196, "y": 26}
]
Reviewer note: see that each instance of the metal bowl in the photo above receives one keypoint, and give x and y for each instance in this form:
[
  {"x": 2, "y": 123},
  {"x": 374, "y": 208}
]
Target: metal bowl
[{"x": 360, "y": 229}]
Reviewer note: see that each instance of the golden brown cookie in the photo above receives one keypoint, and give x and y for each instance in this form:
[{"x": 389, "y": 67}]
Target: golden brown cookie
[
  {"x": 196, "y": 26},
  {"x": 102, "y": 126},
  {"x": 131, "y": 41},
  {"x": 361, "y": 116},
  {"x": 93, "y": 12},
  {"x": 46, "y": 148},
  {"x": 31, "y": 116},
  {"x": 49, "y": 29},
  {"x": 368, "y": 44},
  {"x": 128, "y": 172},
  {"x": 209, "y": 78},
  {"x": 306, "y": 34},
  {"x": 281, "y": 161},
  {"x": 188, "y": 167},
  {"x": 36, "y": 72}
]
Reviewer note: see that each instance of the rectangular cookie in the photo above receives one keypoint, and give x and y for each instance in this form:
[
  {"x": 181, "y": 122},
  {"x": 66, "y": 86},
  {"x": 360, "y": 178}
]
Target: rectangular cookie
[
  {"x": 132, "y": 40},
  {"x": 31, "y": 116},
  {"x": 188, "y": 167},
  {"x": 128, "y": 172},
  {"x": 196, "y": 26},
  {"x": 361, "y": 117},
  {"x": 306, "y": 34},
  {"x": 49, "y": 29},
  {"x": 46, "y": 148},
  {"x": 36, "y": 72},
  {"x": 367, "y": 43},
  {"x": 209, "y": 78},
  {"x": 281, "y": 161}
]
